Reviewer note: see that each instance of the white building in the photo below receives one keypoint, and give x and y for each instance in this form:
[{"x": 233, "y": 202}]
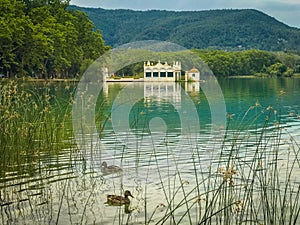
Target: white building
[
  {"x": 192, "y": 75},
  {"x": 162, "y": 72}
]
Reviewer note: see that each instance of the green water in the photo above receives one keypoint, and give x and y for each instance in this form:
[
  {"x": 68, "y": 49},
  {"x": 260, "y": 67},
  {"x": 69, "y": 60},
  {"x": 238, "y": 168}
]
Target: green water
[{"x": 162, "y": 146}]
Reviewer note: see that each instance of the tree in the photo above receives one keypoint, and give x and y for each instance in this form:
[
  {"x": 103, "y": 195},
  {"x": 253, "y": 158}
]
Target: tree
[
  {"x": 12, "y": 35},
  {"x": 42, "y": 38},
  {"x": 277, "y": 69}
]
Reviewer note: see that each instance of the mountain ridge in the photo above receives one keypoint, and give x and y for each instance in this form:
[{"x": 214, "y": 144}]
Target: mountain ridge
[{"x": 218, "y": 29}]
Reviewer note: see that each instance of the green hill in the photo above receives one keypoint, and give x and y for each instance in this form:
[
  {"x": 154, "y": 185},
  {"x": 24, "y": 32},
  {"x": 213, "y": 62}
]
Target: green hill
[{"x": 218, "y": 29}]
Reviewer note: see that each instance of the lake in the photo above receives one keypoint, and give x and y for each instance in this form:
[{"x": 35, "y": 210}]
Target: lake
[{"x": 188, "y": 154}]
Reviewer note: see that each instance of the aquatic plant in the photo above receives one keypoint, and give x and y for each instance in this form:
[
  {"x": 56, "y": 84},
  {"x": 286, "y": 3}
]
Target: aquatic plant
[
  {"x": 252, "y": 181},
  {"x": 251, "y": 178},
  {"x": 34, "y": 120}
]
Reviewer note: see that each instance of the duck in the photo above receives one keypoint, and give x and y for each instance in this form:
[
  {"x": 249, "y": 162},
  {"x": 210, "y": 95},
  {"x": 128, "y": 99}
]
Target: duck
[
  {"x": 110, "y": 169},
  {"x": 119, "y": 200}
]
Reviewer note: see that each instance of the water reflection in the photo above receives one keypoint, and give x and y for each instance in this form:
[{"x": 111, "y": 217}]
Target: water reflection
[
  {"x": 158, "y": 158},
  {"x": 151, "y": 125}
]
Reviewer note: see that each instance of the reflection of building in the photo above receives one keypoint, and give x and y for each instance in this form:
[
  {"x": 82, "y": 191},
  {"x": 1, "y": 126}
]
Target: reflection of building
[
  {"x": 162, "y": 72},
  {"x": 163, "y": 91},
  {"x": 192, "y": 87},
  {"x": 192, "y": 75}
]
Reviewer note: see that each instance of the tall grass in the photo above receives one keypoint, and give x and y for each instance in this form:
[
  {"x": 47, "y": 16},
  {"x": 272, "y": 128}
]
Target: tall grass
[
  {"x": 253, "y": 181},
  {"x": 32, "y": 120}
]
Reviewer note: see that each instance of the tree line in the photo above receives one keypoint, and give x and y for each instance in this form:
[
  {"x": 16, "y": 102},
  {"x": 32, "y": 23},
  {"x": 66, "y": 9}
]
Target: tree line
[
  {"x": 251, "y": 62},
  {"x": 49, "y": 39},
  {"x": 237, "y": 63},
  {"x": 43, "y": 39}
]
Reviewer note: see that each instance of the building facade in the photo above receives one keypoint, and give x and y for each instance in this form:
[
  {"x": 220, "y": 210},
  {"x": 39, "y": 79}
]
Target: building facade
[
  {"x": 192, "y": 75},
  {"x": 162, "y": 72}
]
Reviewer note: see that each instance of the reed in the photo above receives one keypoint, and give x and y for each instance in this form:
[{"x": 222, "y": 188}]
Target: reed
[
  {"x": 35, "y": 123},
  {"x": 32, "y": 120},
  {"x": 253, "y": 181}
]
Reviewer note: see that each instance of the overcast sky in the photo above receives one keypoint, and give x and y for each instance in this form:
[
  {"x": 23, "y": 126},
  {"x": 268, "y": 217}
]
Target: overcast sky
[{"x": 287, "y": 11}]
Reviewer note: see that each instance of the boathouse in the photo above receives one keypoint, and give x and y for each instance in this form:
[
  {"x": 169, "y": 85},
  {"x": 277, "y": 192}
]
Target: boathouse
[{"x": 162, "y": 72}]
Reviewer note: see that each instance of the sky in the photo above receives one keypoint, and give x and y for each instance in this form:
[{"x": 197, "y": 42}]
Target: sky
[{"x": 286, "y": 11}]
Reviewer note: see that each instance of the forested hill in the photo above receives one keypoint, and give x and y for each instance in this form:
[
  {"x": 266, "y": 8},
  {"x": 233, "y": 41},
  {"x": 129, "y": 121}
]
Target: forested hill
[{"x": 220, "y": 29}]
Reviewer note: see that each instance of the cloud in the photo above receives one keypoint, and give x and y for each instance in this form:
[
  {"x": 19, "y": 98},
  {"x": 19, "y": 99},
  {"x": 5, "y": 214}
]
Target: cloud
[
  {"x": 191, "y": 4},
  {"x": 283, "y": 6},
  {"x": 286, "y": 11}
]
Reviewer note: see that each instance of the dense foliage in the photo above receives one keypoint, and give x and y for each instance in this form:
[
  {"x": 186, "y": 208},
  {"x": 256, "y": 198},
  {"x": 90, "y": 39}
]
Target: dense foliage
[
  {"x": 41, "y": 38},
  {"x": 236, "y": 63},
  {"x": 50, "y": 39},
  {"x": 218, "y": 29},
  {"x": 251, "y": 62}
]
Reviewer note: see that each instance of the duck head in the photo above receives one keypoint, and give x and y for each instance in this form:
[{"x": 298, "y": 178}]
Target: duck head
[{"x": 127, "y": 194}]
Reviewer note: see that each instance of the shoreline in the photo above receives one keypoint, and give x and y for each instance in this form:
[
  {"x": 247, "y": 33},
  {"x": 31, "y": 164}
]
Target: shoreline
[{"x": 296, "y": 76}]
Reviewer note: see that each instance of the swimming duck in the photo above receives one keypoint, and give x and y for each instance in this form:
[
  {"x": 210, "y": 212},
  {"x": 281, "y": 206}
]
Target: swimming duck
[
  {"x": 119, "y": 200},
  {"x": 110, "y": 169}
]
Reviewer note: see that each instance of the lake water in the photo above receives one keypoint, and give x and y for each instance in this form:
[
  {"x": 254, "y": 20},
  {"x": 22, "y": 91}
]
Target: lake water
[{"x": 180, "y": 150}]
